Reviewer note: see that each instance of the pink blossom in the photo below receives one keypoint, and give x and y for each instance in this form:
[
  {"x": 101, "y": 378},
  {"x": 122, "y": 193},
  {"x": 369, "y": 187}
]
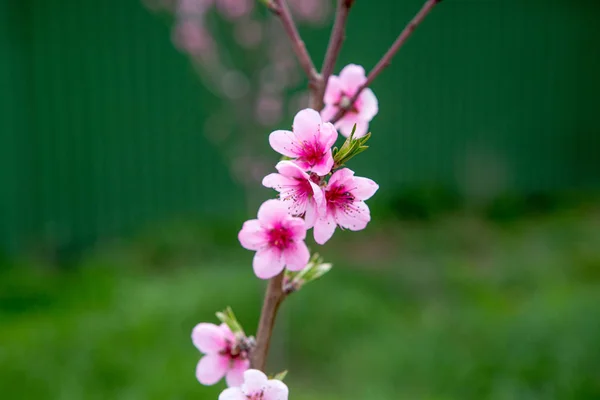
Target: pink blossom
[
  {"x": 223, "y": 356},
  {"x": 345, "y": 206},
  {"x": 309, "y": 142},
  {"x": 278, "y": 239},
  {"x": 234, "y": 9},
  {"x": 297, "y": 190},
  {"x": 257, "y": 387},
  {"x": 340, "y": 89}
]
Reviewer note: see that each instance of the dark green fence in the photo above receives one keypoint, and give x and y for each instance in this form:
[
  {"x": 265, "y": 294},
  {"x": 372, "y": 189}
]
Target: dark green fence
[{"x": 102, "y": 119}]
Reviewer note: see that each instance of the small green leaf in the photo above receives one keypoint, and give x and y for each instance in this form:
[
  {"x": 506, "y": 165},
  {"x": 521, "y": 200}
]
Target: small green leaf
[{"x": 281, "y": 375}]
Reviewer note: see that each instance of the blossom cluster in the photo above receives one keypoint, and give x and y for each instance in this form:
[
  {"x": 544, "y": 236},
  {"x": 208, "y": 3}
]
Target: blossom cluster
[{"x": 315, "y": 191}]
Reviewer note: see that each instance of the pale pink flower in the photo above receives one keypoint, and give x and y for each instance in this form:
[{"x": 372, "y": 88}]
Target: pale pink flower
[
  {"x": 302, "y": 196},
  {"x": 339, "y": 92},
  {"x": 278, "y": 239},
  {"x": 345, "y": 206},
  {"x": 257, "y": 387},
  {"x": 234, "y": 9},
  {"x": 223, "y": 356},
  {"x": 309, "y": 142}
]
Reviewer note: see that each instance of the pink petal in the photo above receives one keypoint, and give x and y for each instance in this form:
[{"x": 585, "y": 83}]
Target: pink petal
[
  {"x": 291, "y": 170},
  {"x": 295, "y": 206},
  {"x": 328, "y": 112},
  {"x": 227, "y": 334},
  {"x": 368, "y": 105},
  {"x": 352, "y": 77},
  {"x": 208, "y": 338},
  {"x": 277, "y": 181},
  {"x": 364, "y": 188},
  {"x": 252, "y": 236},
  {"x": 284, "y": 142},
  {"x": 232, "y": 394},
  {"x": 354, "y": 217},
  {"x": 271, "y": 211},
  {"x": 324, "y": 228},
  {"x": 268, "y": 262},
  {"x": 254, "y": 381},
  {"x": 211, "y": 369},
  {"x": 297, "y": 228},
  {"x": 306, "y": 124},
  {"x": 346, "y": 124},
  {"x": 276, "y": 390},
  {"x": 235, "y": 375},
  {"x": 334, "y": 90},
  {"x": 296, "y": 256},
  {"x": 328, "y": 135},
  {"x": 340, "y": 177},
  {"x": 317, "y": 194},
  {"x": 311, "y": 214},
  {"x": 324, "y": 165}
]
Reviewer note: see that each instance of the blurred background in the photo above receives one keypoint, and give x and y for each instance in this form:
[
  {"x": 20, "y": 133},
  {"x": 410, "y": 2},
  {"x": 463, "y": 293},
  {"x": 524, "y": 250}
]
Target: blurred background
[{"x": 132, "y": 144}]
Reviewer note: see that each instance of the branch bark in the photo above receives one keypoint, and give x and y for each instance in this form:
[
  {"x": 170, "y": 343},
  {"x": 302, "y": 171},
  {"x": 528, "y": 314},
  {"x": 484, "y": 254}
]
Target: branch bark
[
  {"x": 387, "y": 57},
  {"x": 336, "y": 40},
  {"x": 273, "y": 299},
  {"x": 281, "y": 9}
]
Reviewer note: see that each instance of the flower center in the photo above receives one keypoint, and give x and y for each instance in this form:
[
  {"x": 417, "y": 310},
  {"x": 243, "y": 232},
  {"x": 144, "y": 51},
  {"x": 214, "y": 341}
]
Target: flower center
[
  {"x": 255, "y": 396},
  {"x": 280, "y": 237},
  {"x": 339, "y": 197},
  {"x": 312, "y": 153},
  {"x": 345, "y": 104}
]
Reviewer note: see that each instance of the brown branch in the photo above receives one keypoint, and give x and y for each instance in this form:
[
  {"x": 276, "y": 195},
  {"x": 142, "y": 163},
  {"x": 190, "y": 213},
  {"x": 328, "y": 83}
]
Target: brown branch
[
  {"x": 387, "y": 58},
  {"x": 338, "y": 35},
  {"x": 273, "y": 299},
  {"x": 281, "y": 9}
]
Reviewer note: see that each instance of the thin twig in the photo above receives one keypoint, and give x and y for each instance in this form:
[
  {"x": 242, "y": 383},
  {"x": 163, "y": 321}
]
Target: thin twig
[
  {"x": 273, "y": 299},
  {"x": 338, "y": 35},
  {"x": 387, "y": 58},
  {"x": 281, "y": 9}
]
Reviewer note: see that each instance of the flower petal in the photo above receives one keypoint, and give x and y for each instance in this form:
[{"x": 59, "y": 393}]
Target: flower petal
[
  {"x": 355, "y": 216},
  {"x": 268, "y": 262},
  {"x": 324, "y": 228},
  {"x": 340, "y": 177},
  {"x": 346, "y": 124},
  {"x": 306, "y": 124},
  {"x": 291, "y": 170},
  {"x": 254, "y": 381},
  {"x": 352, "y": 77},
  {"x": 328, "y": 112},
  {"x": 232, "y": 394},
  {"x": 324, "y": 165},
  {"x": 311, "y": 214},
  {"x": 368, "y": 105},
  {"x": 284, "y": 142},
  {"x": 328, "y": 135},
  {"x": 297, "y": 228},
  {"x": 276, "y": 390},
  {"x": 271, "y": 211},
  {"x": 296, "y": 256},
  {"x": 235, "y": 375},
  {"x": 277, "y": 181},
  {"x": 252, "y": 236},
  {"x": 363, "y": 188},
  {"x": 208, "y": 338},
  {"x": 334, "y": 90},
  {"x": 211, "y": 369}
]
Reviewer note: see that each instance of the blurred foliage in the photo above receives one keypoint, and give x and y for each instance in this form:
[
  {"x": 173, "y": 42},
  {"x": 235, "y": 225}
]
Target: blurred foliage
[{"x": 458, "y": 308}]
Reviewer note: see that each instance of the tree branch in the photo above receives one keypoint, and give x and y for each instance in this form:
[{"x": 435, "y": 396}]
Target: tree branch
[
  {"x": 281, "y": 9},
  {"x": 387, "y": 58},
  {"x": 338, "y": 35},
  {"x": 273, "y": 299}
]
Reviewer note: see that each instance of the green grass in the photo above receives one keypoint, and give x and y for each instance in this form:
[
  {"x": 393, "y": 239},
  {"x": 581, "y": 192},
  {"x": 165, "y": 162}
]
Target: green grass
[{"x": 453, "y": 309}]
